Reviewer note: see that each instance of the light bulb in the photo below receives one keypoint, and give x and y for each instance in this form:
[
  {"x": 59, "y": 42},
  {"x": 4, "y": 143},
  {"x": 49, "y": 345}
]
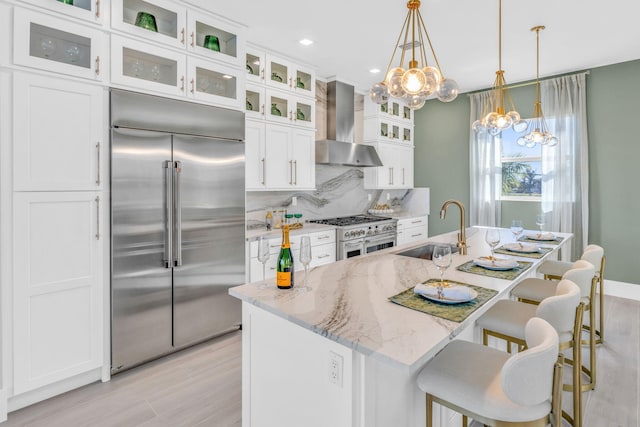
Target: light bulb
[
  {"x": 515, "y": 116},
  {"x": 493, "y": 131},
  {"x": 478, "y": 127},
  {"x": 503, "y": 121},
  {"x": 394, "y": 82},
  {"x": 415, "y": 102},
  {"x": 379, "y": 93},
  {"x": 491, "y": 119},
  {"x": 522, "y": 141},
  {"x": 447, "y": 90},
  {"x": 413, "y": 81},
  {"x": 530, "y": 144},
  {"x": 432, "y": 78},
  {"x": 537, "y": 136},
  {"x": 520, "y": 126},
  {"x": 553, "y": 141}
]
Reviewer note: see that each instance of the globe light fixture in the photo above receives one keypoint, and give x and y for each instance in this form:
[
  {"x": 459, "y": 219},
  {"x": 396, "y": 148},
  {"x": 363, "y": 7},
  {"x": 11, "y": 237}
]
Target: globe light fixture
[
  {"x": 495, "y": 117},
  {"x": 539, "y": 133},
  {"x": 415, "y": 84}
]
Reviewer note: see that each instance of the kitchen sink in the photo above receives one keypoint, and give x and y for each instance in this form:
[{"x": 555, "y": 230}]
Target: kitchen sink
[{"x": 426, "y": 251}]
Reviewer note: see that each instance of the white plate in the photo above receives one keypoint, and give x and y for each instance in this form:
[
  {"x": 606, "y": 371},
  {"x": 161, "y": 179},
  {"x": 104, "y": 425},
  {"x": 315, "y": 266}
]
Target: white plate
[
  {"x": 525, "y": 248},
  {"x": 445, "y": 300},
  {"x": 498, "y": 264},
  {"x": 543, "y": 237}
]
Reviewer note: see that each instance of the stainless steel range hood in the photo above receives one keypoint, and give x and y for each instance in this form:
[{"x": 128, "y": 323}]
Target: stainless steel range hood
[{"x": 339, "y": 148}]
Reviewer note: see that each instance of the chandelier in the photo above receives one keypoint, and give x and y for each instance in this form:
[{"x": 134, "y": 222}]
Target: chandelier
[
  {"x": 420, "y": 80},
  {"x": 494, "y": 117},
  {"x": 540, "y": 132}
]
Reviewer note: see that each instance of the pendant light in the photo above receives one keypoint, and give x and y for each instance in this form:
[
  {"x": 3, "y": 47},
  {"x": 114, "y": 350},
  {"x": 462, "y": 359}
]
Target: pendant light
[
  {"x": 495, "y": 118},
  {"x": 539, "y": 133},
  {"x": 420, "y": 80}
]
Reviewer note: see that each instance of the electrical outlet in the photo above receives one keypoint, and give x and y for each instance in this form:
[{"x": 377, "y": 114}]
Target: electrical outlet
[
  {"x": 369, "y": 196},
  {"x": 294, "y": 201},
  {"x": 335, "y": 368}
]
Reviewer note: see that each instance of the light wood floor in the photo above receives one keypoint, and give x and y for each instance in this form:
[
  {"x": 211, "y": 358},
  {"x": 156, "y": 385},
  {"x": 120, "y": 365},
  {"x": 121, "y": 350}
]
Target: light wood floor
[{"x": 201, "y": 386}]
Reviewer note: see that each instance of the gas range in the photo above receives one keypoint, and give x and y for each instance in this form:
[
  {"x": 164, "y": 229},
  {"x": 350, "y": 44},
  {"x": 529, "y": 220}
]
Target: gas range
[{"x": 360, "y": 234}]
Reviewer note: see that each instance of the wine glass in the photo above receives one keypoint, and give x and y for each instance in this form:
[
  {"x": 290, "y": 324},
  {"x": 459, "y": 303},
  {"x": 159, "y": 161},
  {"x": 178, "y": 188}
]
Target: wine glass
[
  {"x": 492, "y": 237},
  {"x": 516, "y": 228},
  {"x": 263, "y": 256},
  {"x": 48, "y": 46},
  {"x": 305, "y": 259},
  {"x": 540, "y": 220},
  {"x": 441, "y": 257}
]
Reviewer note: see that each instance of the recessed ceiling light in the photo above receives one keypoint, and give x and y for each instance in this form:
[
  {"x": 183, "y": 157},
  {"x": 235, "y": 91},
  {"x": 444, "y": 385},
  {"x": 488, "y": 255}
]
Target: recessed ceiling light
[
  {"x": 374, "y": 70},
  {"x": 306, "y": 42},
  {"x": 227, "y": 76}
]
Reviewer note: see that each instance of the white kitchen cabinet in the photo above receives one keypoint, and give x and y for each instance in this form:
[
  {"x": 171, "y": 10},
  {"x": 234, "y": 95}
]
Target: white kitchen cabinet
[
  {"x": 397, "y": 169},
  {"x": 56, "y": 45},
  {"x": 202, "y": 27},
  {"x": 279, "y": 157},
  {"x": 380, "y": 129},
  {"x": 89, "y": 10},
  {"x": 58, "y": 243},
  {"x": 170, "y": 19},
  {"x": 285, "y": 108},
  {"x": 255, "y": 101},
  {"x": 288, "y": 76},
  {"x": 59, "y": 134},
  {"x": 323, "y": 251},
  {"x": 255, "y": 65},
  {"x": 393, "y": 110},
  {"x": 412, "y": 229},
  {"x": 214, "y": 83}
]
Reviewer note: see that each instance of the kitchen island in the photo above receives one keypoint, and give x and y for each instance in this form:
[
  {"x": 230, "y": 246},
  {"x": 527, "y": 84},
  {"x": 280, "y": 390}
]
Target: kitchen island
[{"x": 342, "y": 354}]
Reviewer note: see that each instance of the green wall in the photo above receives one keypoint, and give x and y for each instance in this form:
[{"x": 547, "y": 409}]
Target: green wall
[{"x": 442, "y": 163}]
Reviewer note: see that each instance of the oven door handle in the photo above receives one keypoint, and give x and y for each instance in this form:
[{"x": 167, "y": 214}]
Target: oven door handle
[
  {"x": 380, "y": 239},
  {"x": 353, "y": 244}
]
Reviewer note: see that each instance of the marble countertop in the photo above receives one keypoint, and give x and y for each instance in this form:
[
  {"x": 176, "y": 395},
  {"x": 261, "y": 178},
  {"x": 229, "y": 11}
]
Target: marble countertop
[
  {"x": 308, "y": 227},
  {"x": 348, "y": 301}
]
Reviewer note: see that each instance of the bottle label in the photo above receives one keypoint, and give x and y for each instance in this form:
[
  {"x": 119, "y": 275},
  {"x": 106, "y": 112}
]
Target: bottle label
[{"x": 283, "y": 279}]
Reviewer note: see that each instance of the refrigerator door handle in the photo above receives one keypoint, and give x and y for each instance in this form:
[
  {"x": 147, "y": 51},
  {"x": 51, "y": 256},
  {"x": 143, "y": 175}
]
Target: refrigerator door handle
[
  {"x": 178, "y": 216},
  {"x": 168, "y": 208}
]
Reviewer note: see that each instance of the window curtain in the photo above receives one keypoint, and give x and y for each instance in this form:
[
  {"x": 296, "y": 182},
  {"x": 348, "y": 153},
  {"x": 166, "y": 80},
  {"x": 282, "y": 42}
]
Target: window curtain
[
  {"x": 485, "y": 170},
  {"x": 565, "y": 167}
]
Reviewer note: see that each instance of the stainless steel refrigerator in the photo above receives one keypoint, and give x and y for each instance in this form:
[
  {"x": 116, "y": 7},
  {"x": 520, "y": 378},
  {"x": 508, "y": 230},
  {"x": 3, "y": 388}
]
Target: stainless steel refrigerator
[{"x": 177, "y": 224}]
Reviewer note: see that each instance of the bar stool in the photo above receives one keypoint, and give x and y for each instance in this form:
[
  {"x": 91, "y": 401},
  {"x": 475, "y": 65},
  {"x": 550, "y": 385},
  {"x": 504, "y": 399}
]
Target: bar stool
[
  {"x": 533, "y": 290},
  {"x": 553, "y": 270},
  {"x": 507, "y": 320},
  {"x": 494, "y": 387}
]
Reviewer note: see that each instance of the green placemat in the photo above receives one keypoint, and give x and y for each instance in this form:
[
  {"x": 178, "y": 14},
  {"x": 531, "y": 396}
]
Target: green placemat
[
  {"x": 541, "y": 252},
  {"x": 470, "y": 267},
  {"x": 555, "y": 241},
  {"x": 453, "y": 312}
]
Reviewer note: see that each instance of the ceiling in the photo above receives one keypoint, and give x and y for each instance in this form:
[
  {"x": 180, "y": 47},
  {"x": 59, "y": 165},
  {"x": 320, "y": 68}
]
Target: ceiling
[{"x": 352, "y": 36}]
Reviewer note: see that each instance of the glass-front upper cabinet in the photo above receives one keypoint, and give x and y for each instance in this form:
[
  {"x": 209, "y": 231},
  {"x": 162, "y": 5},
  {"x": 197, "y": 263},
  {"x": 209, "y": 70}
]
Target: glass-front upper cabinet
[
  {"x": 88, "y": 10},
  {"x": 143, "y": 66},
  {"x": 160, "y": 20},
  {"x": 290, "y": 109},
  {"x": 215, "y": 83},
  {"x": 255, "y": 65},
  {"x": 56, "y": 45},
  {"x": 215, "y": 38},
  {"x": 283, "y": 74},
  {"x": 255, "y": 101}
]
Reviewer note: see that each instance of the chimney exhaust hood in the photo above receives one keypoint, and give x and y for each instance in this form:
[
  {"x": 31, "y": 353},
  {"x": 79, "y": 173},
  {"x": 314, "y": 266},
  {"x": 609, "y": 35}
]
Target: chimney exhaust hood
[{"x": 339, "y": 148}]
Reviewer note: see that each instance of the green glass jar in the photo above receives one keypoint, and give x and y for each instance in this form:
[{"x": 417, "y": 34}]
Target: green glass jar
[
  {"x": 299, "y": 83},
  {"x": 147, "y": 21},
  {"x": 275, "y": 77},
  {"x": 66, "y": 2},
  {"x": 249, "y": 106},
  {"x": 275, "y": 111},
  {"x": 211, "y": 42},
  {"x": 249, "y": 69},
  {"x": 299, "y": 114}
]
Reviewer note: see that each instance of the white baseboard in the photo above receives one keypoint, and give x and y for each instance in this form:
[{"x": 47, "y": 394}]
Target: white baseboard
[
  {"x": 622, "y": 290},
  {"x": 3, "y": 406}
]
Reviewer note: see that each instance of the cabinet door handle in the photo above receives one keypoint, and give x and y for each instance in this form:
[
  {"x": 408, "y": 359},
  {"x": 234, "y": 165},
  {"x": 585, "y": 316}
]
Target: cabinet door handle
[
  {"x": 295, "y": 168},
  {"x": 324, "y": 256},
  {"x": 262, "y": 74},
  {"x": 192, "y": 83},
  {"x": 193, "y": 39},
  {"x": 97, "y": 65},
  {"x": 322, "y": 237},
  {"x": 416, "y": 222},
  {"x": 390, "y": 176},
  {"x": 182, "y": 84},
  {"x": 290, "y": 172},
  {"x": 402, "y": 176},
  {"x": 98, "y": 163},
  {"x": 263, "y": 170},
  {"x": 416, "y": 235},
  {"x": 97, "y": 8},
  {"x": 182, "y": 36},
  {"x": 97, "y": 200},
  {"x": 290, "y": 115},
  {"x": 262, "y": 109},
  {"x": 291, "y": 82}
]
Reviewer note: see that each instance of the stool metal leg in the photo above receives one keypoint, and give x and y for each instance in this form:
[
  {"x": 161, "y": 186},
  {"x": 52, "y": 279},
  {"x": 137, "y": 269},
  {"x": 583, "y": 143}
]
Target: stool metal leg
[{"x": 429, "y": 410}]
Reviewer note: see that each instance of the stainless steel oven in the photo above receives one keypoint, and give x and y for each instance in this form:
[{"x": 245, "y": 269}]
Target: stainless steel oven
[{"x": 362, "y": 234}]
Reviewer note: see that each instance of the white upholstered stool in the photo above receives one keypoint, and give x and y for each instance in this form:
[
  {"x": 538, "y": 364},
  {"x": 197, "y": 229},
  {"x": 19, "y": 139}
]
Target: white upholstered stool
[
  {"x": 533, "y": 290},
  {"x": 507, "y": 320},
  {"x": 553, "y": 270},
  {"x": 494, "y": 387}
]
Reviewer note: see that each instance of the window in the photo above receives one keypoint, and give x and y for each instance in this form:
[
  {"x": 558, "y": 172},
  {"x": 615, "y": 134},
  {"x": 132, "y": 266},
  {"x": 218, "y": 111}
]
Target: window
[{"x": 521, "y": 169}]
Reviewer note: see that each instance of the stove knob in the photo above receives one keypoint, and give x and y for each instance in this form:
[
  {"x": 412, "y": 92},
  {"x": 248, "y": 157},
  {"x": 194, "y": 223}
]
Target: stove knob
[{"x": 346, "y": 234}]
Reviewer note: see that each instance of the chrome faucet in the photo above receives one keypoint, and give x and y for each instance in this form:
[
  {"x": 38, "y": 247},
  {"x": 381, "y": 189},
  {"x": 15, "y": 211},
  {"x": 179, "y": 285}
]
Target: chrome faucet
[{"x": 462, "y": 240}]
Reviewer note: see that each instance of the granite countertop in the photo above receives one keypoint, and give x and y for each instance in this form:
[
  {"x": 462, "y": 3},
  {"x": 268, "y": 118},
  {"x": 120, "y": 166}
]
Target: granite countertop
[
  {"x": 308, "y": 227},
  {"x": 348, "y": 302}
]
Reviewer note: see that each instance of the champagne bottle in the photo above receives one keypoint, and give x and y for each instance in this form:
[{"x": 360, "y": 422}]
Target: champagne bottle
[{"x": 284, "y": 274}]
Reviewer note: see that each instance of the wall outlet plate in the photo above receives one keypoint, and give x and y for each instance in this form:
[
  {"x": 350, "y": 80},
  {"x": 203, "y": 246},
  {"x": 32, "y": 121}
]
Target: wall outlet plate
[{"x": 335, "y": 368}]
